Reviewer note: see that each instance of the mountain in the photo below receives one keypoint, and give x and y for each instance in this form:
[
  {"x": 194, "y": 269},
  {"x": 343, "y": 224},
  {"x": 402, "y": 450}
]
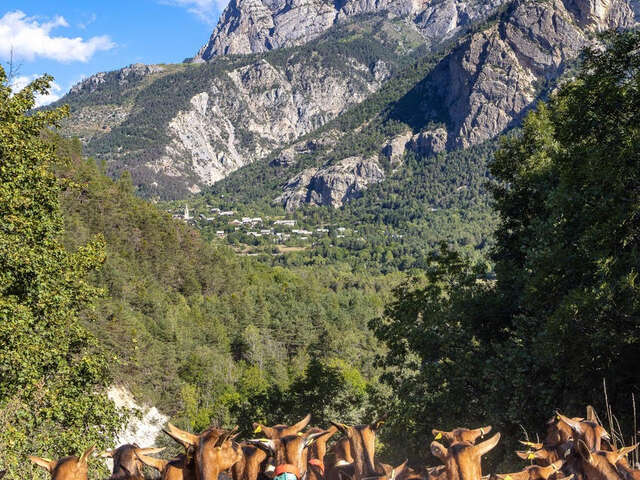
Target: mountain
[
  {"x": 254, "y": 26},
  {"x": 179, "y": 128},
  {"x": 332, "y": 94}
]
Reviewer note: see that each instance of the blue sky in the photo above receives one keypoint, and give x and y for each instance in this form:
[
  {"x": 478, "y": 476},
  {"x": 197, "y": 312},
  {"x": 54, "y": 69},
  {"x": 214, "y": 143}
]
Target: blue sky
[{"x": 72, "y": 39}]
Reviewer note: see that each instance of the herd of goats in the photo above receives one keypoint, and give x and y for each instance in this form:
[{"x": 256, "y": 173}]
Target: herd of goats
[{"x": 572, "y": 447}]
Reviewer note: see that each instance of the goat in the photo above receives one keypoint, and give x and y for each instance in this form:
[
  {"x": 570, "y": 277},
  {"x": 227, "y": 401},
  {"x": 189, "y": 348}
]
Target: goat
[
  {"x": 67, "y": 468},
  {"x": 535, "y": 472},
  {"x": 545, "y": 456},
  {"x": 126, "y": 465},
  {"x": 279, "y": 431},
  {"x": 338, "y": 459},
  {"x": 603, "y": 465},
  {"x": 461, "y": 434},
  {"x": 362, "y": 449},
  {"x": 317, "y": 452},
  {"x": 214, "y": 450},
  {"x": 463, "y": 459},
  {"x": 179, "y": 468},
  {"x": 589, "y": 432},
  {"x": 251, "y": 464},
  {"x": 291, "y": 449}
]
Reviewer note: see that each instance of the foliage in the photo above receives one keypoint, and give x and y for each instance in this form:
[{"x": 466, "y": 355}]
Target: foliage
[
  {"x": 52, "y": 375},
  {"x": 563, "y": 312},
  {"x": 204, "y": 334}
]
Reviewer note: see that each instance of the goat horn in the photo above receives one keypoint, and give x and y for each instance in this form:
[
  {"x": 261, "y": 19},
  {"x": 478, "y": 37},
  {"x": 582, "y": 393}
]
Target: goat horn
[
  {"x": 85, "y": 455},
  {"x": 149, "y": 451},
  {"x": 45, "y": 463},
  {"x": 157, "y": 463}
]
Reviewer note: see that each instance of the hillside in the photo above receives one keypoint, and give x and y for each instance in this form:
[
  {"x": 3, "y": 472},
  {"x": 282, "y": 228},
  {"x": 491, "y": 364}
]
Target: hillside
[{"x": 194, "y": 328}]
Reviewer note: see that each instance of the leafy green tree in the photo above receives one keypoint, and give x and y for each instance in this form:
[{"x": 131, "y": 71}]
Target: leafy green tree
[
  {"x": 52, "y": 377},
  {"x": 563, "y": 312}
]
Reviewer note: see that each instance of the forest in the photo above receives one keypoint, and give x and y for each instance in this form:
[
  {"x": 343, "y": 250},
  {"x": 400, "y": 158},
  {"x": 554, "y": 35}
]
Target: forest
[{"x": 99, "y": 286}]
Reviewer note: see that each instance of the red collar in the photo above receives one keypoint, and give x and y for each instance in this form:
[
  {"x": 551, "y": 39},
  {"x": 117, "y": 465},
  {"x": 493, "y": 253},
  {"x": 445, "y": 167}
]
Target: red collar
[{"x": 318, "y": 463}]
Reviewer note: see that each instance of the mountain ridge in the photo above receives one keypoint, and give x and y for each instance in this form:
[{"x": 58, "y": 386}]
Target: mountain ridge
[{"x": 181, "y": 128}]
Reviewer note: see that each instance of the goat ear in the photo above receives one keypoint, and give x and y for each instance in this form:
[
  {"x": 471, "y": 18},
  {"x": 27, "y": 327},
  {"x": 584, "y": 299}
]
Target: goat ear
[
  {"x": 106, "y": 454},
  {"x": 574, "y": 424},
  {"x": 592, "y": 416},
  {"x": 225, "y": 436},
  {"x": 438, "y": 450},
  {"x": 342, "y": 427},
  {"x": 312, "y": 437},
  {"x": 260, "y": 428},
  {"x": 375, "y": 426},
  {"x": 329, "y": 432},
  {"x": 186, "y": 439},
  {"x": 399, "y": 470},
  {"x": 149, "y": 451},
  {"x": 265, "y": 444},
  {"x": 584, "y": 451},
  {"x": 624, "y": 451},
  {"x": 45, "y": 463},
  {"x": 487, "y": 445},
  {"x": 85, "y": 455},
  {"x": 439, "y": 434},
  {"x": 528, "y": 455},
  {"x": 157, "y": 463}
]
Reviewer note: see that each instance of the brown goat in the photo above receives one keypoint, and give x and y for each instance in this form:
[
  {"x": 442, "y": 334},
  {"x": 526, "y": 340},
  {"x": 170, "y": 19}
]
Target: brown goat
[
  {"x": 318, "y": 449},
  {"x": 292, "y": 449},
  {"x": 401, "y": 472},
  {"x": 317, "y": 453},
  {"x": 251, "y": 464},
  {"x": 180, "y": 468},
  {"x": 463, "y": 459},
  {"x": 461, "y": 434},
  {"x": 68, "y": 468},
  {"x": 279, "y": 431},
  {"x": 362, "y": 448},
  {"x": 535, "y": 472},
  {"x": 126, "y": 465},
  {"x": 602, "y": 465},
  {"x": 338, "y": 459},
  {"x": 591, "y": 433},
  {"x": 214, "y": 450},
  {"x": 545, "y": 456}
]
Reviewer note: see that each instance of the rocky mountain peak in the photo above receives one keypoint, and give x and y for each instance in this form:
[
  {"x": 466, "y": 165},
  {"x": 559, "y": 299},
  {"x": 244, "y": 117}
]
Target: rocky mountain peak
[{"x": 252, "y": 26}]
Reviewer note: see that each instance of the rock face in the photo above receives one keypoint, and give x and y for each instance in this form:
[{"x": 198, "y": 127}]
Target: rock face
[
  {"x": 142, "y": 429},
  {"x": 489, "y": 82},
  {"x": 252, "y": 111},
  {"x": 133, "y": 72},
  {"x": 333, "y": 185},
  {"x": 253, "y": 26},
  {"x": 394, "y": 149},
  {"x": 429, "y": 142}
]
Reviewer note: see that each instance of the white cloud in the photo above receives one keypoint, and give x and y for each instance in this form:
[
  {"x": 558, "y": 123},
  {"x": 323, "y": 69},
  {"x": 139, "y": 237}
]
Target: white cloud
[
  {"x": 55, "y": 91},
  {"x": 206, "y": 10},
  {"x": 30, "y": 39}
]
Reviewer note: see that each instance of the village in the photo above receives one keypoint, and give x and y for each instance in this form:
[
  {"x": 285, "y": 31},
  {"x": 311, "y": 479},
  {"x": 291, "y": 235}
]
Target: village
[{"x": 237, "y": 229}]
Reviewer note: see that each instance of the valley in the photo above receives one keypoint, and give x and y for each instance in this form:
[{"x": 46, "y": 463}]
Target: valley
[{"x": 422, "y": 211}]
